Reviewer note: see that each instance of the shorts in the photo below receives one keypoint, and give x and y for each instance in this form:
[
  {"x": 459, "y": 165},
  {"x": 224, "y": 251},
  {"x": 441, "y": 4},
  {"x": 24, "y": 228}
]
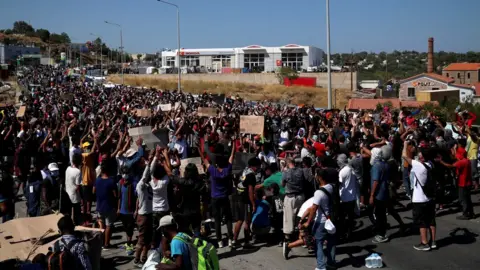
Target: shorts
[
  {"x": 424, "y": 214},
  {"x": 241, "y": 211},
  {"x": 107, "y": 218},
  {"x": 145, "y": 230},
  {"x": 291, "y": 206},
  {"x": 307, "y": 237},
  {"x": 87, "y": 193},
  {"x": 128, "y": 223}
]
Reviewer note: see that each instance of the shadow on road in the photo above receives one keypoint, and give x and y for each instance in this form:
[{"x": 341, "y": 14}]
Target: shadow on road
[
  {"x": 235, "y": 252},
  {"x": 356, "y": 261},
  {"x": 460, "y": 236},
  {"x": 112, "y": 263}
]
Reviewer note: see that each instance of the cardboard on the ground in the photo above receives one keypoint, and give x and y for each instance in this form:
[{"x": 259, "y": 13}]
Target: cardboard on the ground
[
  {"x": 178, "y": 104},
  {"x": 21, "y": 111},
  {"x": 165, "y": 107},
  {"x": 144, "y": 113},
  {"x": 207, "y": 111},
  {"x": 197, "y": 161},
  {"x": 251, "y": 124}
]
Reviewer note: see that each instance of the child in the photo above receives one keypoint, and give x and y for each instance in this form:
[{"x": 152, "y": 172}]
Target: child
[{"x": 261, "y": 221}]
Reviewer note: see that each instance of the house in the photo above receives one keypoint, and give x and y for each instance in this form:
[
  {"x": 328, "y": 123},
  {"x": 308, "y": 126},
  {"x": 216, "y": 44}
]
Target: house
[
  {"x": 371, "y": 104},
  {"x": 463, "y": 73}
]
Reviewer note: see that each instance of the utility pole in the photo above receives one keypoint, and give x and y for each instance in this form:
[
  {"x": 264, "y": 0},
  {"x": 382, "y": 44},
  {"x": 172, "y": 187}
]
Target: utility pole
[
  {"x": 328, "y": 56},
  {"x": 121, "y": 46}
]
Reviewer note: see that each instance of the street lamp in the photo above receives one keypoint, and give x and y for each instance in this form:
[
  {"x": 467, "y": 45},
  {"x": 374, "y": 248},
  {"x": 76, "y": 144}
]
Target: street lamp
[
  {"x": 101, "y": 52},
  {"x": 328, "y": 56},
  {"x": 121, "y": 45},
  {"x": 178, "y": 40}
]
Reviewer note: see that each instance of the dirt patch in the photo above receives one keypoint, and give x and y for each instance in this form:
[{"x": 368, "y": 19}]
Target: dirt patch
[{"x": 278, "y": 93}]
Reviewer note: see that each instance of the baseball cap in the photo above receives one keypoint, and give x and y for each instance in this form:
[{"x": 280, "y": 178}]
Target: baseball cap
[{"x": 166, "y": 221}]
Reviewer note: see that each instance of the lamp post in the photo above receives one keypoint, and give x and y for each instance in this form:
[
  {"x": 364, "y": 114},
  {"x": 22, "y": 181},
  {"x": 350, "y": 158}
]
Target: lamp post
[
  {"x": 101, "y": 52},
  {"x": 178, "y": 41},
  {"x": 328, "y": 56},
  {"x": 121, "y": 45}
]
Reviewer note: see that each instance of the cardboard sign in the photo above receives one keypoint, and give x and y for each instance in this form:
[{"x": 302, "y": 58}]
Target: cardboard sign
[
  {"x": 197, "y": 161},
  {"x": 178, "y": 104},
  {"x": 164, "y": 107},
  {"x": 207, "y": 111},
  {"x": 144, "y": 113},
  {"x": 21, "y": 111},
  {"x": 162, "y": 135},
  {"x": 149, "y": 139},
  {"x": 240, "y": 162},
  {"x": 67, "y": 97},
  {"x": 219, "y": 99},
  {"x": 252, "y": 124}
]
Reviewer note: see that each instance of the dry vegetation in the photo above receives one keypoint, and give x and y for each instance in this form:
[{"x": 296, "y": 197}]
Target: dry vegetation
[{"x": 276, "y": 93}]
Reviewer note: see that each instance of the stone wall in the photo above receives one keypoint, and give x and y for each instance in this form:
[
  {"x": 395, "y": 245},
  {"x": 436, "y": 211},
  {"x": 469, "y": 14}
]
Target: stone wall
[{"x": 340, "y": 80}]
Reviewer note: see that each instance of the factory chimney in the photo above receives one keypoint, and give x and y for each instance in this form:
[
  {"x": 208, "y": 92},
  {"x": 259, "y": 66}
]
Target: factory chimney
[{"x": 430, "y": 56}]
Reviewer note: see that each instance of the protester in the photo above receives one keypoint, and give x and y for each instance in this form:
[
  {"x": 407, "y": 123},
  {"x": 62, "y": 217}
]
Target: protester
[{"x": 72, "y": 244}]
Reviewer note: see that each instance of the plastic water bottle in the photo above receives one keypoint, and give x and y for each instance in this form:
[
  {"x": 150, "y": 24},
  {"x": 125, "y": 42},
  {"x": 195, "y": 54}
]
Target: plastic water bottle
[
  {"x": 376, "y": 261},
  {"x": 369, "y": 262},
  {"x": 379, "y": 261}
]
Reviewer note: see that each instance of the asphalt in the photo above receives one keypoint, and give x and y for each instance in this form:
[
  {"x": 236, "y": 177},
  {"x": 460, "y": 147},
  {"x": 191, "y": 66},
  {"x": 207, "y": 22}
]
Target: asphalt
[{"x": 456, "y": 241}]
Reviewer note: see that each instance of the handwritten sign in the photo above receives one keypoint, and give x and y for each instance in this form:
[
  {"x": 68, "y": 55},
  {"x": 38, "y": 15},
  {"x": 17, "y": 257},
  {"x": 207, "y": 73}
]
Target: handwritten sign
[
  {"x": 251, "y": 124},
  {"x": 144, "y": 113},
  {"x": 206, "y": 111},
  {"x": 164, "y": 107},
  {"x": 197, "y": 161},
  {"x": 21, "y": 111},
  {"x": 150, "y": 140}
]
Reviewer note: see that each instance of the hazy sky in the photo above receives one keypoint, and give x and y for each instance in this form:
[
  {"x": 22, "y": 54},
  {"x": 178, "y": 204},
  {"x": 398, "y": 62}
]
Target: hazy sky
[{"x": 359, "y": 25}]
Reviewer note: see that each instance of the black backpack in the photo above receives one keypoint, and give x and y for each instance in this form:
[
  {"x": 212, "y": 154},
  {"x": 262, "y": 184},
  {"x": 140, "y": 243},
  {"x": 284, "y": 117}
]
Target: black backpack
[
  {"x": 63, "y": 260},
  {"x": 334, "y": 202},
  {"x": 430, "y": 187}
]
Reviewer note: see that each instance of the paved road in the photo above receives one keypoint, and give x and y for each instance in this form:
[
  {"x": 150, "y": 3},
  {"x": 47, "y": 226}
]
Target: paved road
[{"x": 456, "y": 240}]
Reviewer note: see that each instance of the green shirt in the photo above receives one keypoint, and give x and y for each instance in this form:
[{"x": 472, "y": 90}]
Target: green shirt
[{"x": 277, "y": 179}]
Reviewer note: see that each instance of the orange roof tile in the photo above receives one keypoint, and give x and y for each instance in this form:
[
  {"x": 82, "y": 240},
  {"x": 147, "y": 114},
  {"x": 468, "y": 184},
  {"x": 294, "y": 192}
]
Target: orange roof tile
[
  {"x": 434, "y": 76},
  {"x": 371, "y": 104},
  {"x": 462, "y": 66},
  {"x": 477, "y": 88},
  {"x": 461, "y": 85}
]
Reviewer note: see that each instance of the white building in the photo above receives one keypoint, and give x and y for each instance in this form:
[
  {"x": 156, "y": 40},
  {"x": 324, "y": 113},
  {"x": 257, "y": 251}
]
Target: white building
[{"x": 254, "y": 57}]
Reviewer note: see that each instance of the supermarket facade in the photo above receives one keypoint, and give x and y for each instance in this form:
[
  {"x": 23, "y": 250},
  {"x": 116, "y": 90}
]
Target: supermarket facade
[{"x": 254, "y": 58}]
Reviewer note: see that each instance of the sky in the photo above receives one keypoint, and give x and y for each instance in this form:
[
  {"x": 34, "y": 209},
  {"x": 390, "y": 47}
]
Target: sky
[{"x": 356, "y": 25}]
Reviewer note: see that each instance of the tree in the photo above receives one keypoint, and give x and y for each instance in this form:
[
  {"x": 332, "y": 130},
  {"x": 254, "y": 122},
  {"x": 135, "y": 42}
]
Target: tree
[
  {"x": 65, "y": 38},
  {"x": 139, "y": 57},
  {"x": 55, "y": 38},
  {"x": 286, "y": 72},
  {"x": 43, "y": 34},
  {"x": 21, "y": 27},
  {"x": 8, "y": 31}
]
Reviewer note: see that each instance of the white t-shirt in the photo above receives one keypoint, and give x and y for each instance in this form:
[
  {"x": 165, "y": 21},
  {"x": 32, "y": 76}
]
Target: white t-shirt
[
  {"x": 307, "y": 204},
  {"x": 348, "y": 187},
  {"x": 160, "y": 194},
  {"x": 269, "y": 158},
  {"x": 418, "y": 176},
  {"x": 321, "y": 199},
  {"x": 73, "y": 178},
  {"x": 74, "y": 150}
]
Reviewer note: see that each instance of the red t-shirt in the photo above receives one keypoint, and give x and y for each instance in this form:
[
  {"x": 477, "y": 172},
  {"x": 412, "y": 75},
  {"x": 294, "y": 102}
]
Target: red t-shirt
[
  {"x": 464, "y": 172},
  {"x": 319, "y": 149}
]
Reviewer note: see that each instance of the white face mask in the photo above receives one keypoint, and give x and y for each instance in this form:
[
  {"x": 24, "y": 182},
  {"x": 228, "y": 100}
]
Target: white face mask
[{"x": 125, "y": 176}]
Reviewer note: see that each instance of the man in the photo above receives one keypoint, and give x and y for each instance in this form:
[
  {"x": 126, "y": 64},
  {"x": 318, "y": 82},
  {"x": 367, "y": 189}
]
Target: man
[
  {"x": 126, "y": 206},
  {"x": 179, "y": 249},
  {"x": 69, "y": 241},
  {"x": 348, "y": 195},
  {"x": 379, "y": 195},
  {"x": 73, "y": 179},
  {"x": 106, "y": 193},
  {"x": 244, "y": 201},
  {"x": 292, "y": 179},
  {"x": 464, "y": 183},
  {"x": 88, "y": 176},
  {"x": 273, "y": 177},
  {"x": 423, "y": 206}
]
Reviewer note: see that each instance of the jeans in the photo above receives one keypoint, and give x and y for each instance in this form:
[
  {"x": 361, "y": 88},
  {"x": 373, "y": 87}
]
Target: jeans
[
  {"x": 221, "y": 207},
  {"x": 406, "y": 180},
  {"x": 347, "y": 218},
  {"x": 380, "y": 211},
  {"x": 321, "y": 236},
  {"x": 465, "y": 200},
  {"x": 77, "y": 213}
]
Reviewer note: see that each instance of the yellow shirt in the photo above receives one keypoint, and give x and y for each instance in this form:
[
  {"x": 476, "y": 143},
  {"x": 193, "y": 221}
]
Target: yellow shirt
[
  {"x": 88, "y": 169},
  {"x": 472, "y": 149}
]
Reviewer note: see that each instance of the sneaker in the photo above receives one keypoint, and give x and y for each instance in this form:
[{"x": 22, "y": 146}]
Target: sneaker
[
  {"x": 220, "y": 244},
  {"x": 137, "y": 264},
  {"x": 433, "y": 245},
  {"x": 231, "y": 243},
  {"x": 280, "y": 244},
  {"x": 379, "y": 239},
  {"x": 286, "y": 250},
  {"x": 130, "y": 249},
  {"x": 422, "y": 247}
]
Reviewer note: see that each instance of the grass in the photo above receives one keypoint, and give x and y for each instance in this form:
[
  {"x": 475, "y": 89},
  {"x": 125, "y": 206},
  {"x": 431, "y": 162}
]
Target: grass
[{"x": 276, "y": 93}]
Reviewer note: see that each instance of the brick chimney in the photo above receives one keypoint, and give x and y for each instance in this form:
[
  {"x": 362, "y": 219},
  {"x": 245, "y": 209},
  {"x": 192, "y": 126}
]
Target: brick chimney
[{"x": 430, "y": 56}]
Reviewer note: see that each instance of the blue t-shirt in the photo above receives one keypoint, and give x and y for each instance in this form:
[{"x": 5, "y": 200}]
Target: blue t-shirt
[
  {"x": 128, "y": 196},
  {"x": 104, "y": 189},
  {"x": 178, "y": 247},
  {"x": 260, "y": 217},
  {"x": 221, "y": 182},
  {"x": 380, "y": 173}
]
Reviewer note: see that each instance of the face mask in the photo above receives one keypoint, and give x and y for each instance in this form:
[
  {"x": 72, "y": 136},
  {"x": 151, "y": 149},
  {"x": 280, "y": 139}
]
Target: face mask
[
  {"x": 327, "y": 153},
  {"x": 125, "y": 176}
]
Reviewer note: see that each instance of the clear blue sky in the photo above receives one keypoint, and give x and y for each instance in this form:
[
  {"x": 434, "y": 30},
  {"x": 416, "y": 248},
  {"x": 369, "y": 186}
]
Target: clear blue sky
[{"x": 370, "y": 25}]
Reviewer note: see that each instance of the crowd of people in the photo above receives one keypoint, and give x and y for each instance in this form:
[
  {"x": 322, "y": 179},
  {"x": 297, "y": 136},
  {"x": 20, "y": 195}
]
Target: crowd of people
[{"x": 304, "y": 180}]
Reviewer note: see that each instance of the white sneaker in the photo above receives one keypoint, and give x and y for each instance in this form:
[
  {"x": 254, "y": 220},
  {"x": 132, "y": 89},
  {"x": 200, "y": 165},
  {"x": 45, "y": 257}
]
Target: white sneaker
[
  {"x": 220, "y": 244},
  {"x": 231, "y": 243}
]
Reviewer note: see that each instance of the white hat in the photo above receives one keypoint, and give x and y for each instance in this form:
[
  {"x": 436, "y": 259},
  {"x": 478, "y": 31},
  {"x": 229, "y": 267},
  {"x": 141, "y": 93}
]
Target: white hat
[
  {"x": 130, "y": 152},
  {"x": 53, "y": 167},
  {"x": 166, "y": 221}
]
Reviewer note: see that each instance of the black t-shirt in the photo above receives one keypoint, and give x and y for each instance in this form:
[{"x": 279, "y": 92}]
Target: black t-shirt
[
  {"x": 191, "y": 190},
  {"x": 243, "y": 185}
]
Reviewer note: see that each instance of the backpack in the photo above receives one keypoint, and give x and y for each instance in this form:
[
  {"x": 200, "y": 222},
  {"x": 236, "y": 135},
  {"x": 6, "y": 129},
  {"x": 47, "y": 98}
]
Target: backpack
[
  {"x": 33, "y": 198},
  {"x": 62, "y": 260},
  {"x": 334, "y": 202},
  {"x": 430, "y": 187},
  {"x": 203, "y": 255}
]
